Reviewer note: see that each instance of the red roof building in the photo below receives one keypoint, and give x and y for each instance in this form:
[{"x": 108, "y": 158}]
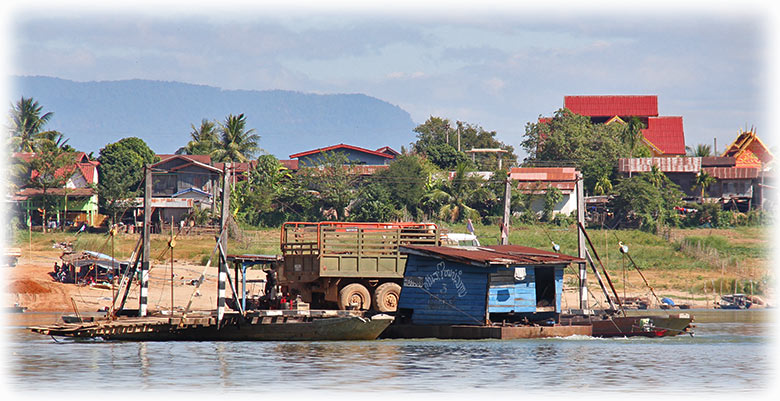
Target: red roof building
[
  {"x": 663, "y": 135},
  {"x": 749, "y": 151},
  {"x": 610, "y": 106}
]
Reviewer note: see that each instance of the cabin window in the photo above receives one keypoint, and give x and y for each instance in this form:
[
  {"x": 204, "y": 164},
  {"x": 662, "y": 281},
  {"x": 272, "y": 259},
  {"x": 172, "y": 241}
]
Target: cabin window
[
  {"x": 545, "y": 286},
  {"x": 519, "y": 273}
]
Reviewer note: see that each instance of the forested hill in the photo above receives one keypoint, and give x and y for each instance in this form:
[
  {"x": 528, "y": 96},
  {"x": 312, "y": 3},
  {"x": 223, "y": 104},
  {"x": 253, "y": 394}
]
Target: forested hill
[{"x": 93, "y": 114}]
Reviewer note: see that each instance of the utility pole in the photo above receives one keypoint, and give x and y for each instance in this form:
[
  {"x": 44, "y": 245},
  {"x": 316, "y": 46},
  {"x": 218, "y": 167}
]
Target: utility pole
[
  {"x": 507, "y": 214},
  {"x": 581, "y": 250},
  {"x": 223, "y": 241},
  {"x": 458, "y": 136},
  {"x": 144, "y": 297}
]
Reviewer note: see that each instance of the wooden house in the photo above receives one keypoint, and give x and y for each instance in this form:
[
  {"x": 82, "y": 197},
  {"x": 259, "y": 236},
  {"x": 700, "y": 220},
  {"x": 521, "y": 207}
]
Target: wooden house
[
  {"x": 181, "y": 182},
  {"x": 479, "y": 285}
]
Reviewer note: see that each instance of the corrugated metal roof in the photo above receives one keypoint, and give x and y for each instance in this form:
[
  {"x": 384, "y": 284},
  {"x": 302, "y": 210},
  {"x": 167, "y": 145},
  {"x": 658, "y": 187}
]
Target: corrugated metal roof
[
  {"x": 341, "y": 146},
  {"x": 665, "y": 164},
  {"x": 666, "y": 134},
  {"x": 508, "y": 255},
  {"x": 609, "y": 106},
  {"x": 718, "y": 161},
  {"x": 205, "y": 159},
  {"x": 732, "y": 173}
]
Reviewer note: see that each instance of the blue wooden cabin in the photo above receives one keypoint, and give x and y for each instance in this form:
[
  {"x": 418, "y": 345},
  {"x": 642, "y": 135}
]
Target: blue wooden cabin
[{"x": 479, "y": 285}]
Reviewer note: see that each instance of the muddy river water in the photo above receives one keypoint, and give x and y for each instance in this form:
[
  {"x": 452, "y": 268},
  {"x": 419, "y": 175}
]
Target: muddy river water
[{"x": 732, "y": 352}]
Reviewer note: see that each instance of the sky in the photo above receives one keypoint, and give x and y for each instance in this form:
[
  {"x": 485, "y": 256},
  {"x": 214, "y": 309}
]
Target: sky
[{"x": 490, "y": 63}]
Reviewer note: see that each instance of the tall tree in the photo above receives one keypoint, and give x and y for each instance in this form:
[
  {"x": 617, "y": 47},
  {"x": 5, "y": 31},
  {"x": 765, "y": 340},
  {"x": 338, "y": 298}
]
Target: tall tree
[
  {"x": 631, "y": 134},
  {"x": 203, "y": 139},
  {"x": 335, "y": 181},
  {"x": 571, "y": 139},
  {"x": 406, "y": 179},
  {"x": 236, "y": 142},
  {"x": 603, "y": 186},
  {"x": 703, "y": 181},
  {"x": 121, "y": 172},
  {"x": 649, "y": 198},
  {"x": 453, "y": 198},
  {"x": 438, "y": 141},
  {"x": 27, "y": 123}
]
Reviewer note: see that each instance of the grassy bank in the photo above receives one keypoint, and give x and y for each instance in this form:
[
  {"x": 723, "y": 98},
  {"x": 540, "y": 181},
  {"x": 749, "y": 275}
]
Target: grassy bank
[{"x": 702, "y": 261}]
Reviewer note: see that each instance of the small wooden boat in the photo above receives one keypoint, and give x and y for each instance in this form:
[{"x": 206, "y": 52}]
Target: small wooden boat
[
  {"x": 272, "y": 325},
  {"x": 734, "y": 301}
]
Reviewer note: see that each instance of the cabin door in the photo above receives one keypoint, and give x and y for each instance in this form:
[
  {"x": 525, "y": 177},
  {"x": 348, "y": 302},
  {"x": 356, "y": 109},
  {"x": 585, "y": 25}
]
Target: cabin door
[{"x": 545, "y": 288}]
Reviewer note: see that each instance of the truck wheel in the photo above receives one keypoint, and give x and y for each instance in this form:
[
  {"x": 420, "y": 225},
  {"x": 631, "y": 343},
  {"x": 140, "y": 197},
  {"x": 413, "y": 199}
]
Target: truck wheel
[
  {"x": 354, "y": 293},
  {"x": 386, "y": 296}
]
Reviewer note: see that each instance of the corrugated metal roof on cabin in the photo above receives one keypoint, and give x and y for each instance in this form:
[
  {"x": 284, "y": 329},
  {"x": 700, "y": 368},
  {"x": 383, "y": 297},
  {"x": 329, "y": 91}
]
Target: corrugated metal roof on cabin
[
  {"x": 667, "y": 134},
  {"x": 732, "y": 173},
  {"x": 665, "y": 164},
  {"x": 484, "y": 256},
  {"x": 609, "y": 106}
]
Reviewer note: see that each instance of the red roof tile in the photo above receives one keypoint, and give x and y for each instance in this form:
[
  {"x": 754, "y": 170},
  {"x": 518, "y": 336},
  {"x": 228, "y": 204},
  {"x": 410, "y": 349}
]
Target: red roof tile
[
  {"x": 610, "y": 106},
  {"x": 666, "y": 134}
]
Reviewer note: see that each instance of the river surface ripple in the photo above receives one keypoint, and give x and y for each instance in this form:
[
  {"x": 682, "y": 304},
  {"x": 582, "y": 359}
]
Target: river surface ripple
[{"x": 729, "y": 353}]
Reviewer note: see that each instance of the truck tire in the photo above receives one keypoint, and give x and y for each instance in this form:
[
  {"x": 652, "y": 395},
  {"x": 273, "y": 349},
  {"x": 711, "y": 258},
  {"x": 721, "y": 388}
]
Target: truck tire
[
  {"x": 354, "y": 293},
  {"x": 386, "y": 297}
]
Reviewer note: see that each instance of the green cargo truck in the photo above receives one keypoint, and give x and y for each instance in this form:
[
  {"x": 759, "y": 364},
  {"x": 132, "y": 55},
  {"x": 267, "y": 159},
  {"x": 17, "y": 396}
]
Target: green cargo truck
[{"x": 355, "y": 265}]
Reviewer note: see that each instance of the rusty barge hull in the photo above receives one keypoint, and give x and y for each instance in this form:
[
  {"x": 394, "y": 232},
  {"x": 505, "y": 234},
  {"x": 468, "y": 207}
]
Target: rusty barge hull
[
  {"x": 469, "y": 332},
  {"x": 255, "y": 327}
]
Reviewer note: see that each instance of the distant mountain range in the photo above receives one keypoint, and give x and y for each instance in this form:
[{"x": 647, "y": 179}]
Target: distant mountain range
[{"x": 93, "y": 114}]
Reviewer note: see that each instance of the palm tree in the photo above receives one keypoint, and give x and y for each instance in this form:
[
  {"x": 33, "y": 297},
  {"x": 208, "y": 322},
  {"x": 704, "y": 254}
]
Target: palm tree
[
  {"x": 451, "y": 196},
  {"x": 203, "y": 139},
  {"x": 703, "y": 181},
  {"x": 27, "y": 122},
  {"x": 603, "y": 186},
  {"x": 632, "y": 134},
  {"x": 701, "y": 150},
  {"x": 236, "y": 143},
  {"x": 656, "y": 177}
]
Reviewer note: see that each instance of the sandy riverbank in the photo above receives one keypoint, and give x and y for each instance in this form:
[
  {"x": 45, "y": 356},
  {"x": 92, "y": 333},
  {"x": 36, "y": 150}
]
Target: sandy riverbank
[{"x": 30, "y": 285}]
